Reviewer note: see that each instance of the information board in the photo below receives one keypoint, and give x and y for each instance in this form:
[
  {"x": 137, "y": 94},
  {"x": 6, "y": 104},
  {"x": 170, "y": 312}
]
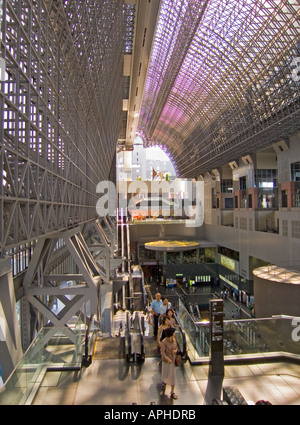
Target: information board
[
  {"x": 216, "y": 337},
  {"x": 216, "y": 320}
]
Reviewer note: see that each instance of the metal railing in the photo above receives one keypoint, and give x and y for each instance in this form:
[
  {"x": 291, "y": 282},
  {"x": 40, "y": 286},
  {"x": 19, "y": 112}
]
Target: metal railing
[
  {"x": 272, "y": 337},
  {"x": 181, "y": 339},
  {"x": 134, "y": 338},
  {"x": 88, "y": 343},
  {"x": 128, "y": 353}
]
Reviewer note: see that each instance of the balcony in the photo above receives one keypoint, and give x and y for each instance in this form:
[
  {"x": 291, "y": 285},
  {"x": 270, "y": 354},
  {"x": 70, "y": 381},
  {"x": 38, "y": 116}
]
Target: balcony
[
  {"x": 257, "y": 199},
  {"x": 267, "y": 198},
  {"x": 266, "y": 221}
]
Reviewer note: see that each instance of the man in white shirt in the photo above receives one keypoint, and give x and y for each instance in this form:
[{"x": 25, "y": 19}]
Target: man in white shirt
[{"x": 155, "y": 305}]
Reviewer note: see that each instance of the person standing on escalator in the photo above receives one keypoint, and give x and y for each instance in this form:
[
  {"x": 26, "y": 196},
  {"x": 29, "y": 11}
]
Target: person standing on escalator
[
  {"x": 168, "y": 350},
  {"x": 161, "y": 333},
  {"x": 166, "y": 305},
  {"x": 155, "y": 306}
]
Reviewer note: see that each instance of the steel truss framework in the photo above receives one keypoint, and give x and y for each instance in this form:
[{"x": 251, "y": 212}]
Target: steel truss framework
[
  {"x": 42, "y": 288},
  {"x": 60, "y": 106},
  {"x": 45, "y": 283},
  {"x": 220, "y": 83}
]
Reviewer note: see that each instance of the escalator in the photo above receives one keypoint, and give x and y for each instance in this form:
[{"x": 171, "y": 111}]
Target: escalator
[
  {"x": 89, "y": 342},
  {"x": 181, "y": 340},
  {"x": 134, "y": 338}
]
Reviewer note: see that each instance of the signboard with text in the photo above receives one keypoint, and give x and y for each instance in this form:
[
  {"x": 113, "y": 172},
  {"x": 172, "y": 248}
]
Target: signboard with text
[{"x": 216, "y": 336}]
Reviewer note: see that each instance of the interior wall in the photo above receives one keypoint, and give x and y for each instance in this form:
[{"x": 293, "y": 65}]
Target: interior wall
[{"x": 275, "y": 298}]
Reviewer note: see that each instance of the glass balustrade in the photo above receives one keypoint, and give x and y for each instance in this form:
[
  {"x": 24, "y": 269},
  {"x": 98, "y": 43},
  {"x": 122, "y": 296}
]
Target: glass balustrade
[
  {"x": 56, "y": 348},
  {"x": 278, "y": 335}
]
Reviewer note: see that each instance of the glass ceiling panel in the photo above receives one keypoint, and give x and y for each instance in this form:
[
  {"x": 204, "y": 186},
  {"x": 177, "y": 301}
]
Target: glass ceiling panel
[{"x": 216, "y": 60}]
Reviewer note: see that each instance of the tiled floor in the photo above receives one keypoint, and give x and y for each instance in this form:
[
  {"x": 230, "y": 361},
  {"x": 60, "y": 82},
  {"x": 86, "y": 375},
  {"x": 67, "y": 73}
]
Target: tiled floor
[{"x": 111, "y": 381}]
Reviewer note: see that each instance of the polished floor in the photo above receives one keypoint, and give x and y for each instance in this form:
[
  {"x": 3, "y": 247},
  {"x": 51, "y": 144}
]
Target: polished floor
[{"x": 109, "y": 380}]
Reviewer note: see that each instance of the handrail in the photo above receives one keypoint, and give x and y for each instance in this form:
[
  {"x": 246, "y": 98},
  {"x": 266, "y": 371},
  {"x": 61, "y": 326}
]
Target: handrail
[
  {"x": 184, "y": 344},
  {"x": 144, "y": 291},
  {"x": 256, "y": 338},
  {"x": 184, "y": 350},
  {"x": 141, "y": 330},
  {"x": 128, "y": 354},
  {"x": 136, "y": 353},
  {"x": 218, "y": 402},
  {"x": 87, "y": 358}
]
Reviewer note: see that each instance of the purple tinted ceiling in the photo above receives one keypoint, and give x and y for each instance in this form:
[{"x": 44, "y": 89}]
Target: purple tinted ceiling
[{"x": 211, "y": 58}]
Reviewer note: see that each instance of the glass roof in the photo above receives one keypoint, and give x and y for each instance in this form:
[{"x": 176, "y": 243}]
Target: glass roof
[{"x": 220, "y": 77}]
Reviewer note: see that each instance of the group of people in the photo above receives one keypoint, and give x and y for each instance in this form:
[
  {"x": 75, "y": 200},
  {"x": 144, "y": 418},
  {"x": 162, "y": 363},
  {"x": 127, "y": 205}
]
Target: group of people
[
  {"x": 161, "y": 320},
  {"x": 224, "y": 294}
]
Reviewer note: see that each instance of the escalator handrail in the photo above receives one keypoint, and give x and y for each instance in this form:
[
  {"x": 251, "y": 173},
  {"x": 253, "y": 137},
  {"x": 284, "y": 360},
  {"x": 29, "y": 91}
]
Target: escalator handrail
[
  {"x": 144, "y": 290},
  {"x": 87, "y": 336},
  {"x": 141, "y": 331},
  {"x": 184, "y": 352},
  {"x": 128, "y": 335}
]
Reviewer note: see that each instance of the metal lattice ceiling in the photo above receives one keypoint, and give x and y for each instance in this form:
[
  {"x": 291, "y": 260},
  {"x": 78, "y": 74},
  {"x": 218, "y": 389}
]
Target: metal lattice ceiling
[
  {"x": 60, "y": 106},
  {"x": 220, "y": 81}
]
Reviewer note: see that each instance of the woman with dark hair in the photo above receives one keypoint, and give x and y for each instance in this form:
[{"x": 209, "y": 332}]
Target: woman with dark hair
[
  {"x": 165, "y": 306},
  {"x": 161, "y": 332},
  {"x": 170, "y": 315},
  {"x": 168, "y": 350}
]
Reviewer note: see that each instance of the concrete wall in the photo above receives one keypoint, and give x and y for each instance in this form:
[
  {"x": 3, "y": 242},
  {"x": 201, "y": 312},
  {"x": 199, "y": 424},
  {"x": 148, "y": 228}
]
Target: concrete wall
[
  {"x": 270, "y": 247},
  {"x": 287, "y": 157},
  {"x": 273, "y": 298}
]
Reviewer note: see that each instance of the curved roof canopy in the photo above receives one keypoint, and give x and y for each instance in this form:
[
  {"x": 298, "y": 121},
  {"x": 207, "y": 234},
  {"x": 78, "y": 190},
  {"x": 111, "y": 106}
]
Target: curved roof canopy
[{"x": 222, "y": 80}]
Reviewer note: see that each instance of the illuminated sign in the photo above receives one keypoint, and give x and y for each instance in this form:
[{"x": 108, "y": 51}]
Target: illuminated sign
[
  {"x": 228, "y": 263},
  {"x": 228, "y": 281}
]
